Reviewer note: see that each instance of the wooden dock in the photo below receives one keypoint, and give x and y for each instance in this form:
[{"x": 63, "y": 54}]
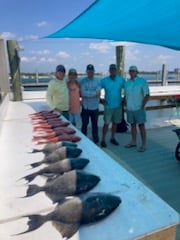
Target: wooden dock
[{"x": 141, "y": 216}]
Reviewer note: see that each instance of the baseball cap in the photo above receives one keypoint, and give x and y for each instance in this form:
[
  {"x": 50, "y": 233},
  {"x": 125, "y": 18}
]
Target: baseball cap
[
  {"x": 60, "y": 68},
  {"x": 112, "y": 67},
  {"x": 133, "y": 68},
  {"x": 72, "y": 70},
  {"x": 90, "y": 68}
]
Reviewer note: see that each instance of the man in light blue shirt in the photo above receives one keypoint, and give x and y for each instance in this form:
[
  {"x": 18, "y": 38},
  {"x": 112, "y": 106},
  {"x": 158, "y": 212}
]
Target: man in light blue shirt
[
  {"x": 112, "y": 102},
  {"x": 137, "y": 95},
  {"x": 90, "y": 93}
]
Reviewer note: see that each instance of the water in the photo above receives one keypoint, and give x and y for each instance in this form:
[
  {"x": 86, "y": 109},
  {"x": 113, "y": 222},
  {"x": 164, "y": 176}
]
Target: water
[{"x": 148, "y": 76}]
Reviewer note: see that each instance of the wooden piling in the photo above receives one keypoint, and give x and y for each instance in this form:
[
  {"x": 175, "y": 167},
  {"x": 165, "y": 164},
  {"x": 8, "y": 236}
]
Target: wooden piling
[
  {"x": 14, "y": 64},
  {"x": 120, "y": 59},
  {"x": 4, "y": 79},
  {"x": 164, "y": 76}
]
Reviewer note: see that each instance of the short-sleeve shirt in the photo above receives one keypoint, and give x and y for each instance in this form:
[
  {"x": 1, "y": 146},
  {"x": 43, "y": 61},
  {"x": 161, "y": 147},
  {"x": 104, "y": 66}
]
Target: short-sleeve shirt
[
  {"x": 113, "y": 91},
  {"x": 57, "y": 95},
  {"x": 89, "y": 88},
  {"x": 135, "y": 91}
]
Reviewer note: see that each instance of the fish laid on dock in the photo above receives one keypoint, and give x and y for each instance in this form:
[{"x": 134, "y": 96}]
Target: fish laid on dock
[
  {"x": 68, "y": 216},
  {"x": 59, "y": 131},
  {"x": 60, "y": 167},
  {"x": 69, "y": 184},
  {"x": 50, "y": 147},
  {"x": 59, "y": 154}
]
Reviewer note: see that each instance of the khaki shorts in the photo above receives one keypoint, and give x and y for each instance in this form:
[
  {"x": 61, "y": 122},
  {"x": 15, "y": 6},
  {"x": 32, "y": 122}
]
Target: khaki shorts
[
  {"x": 113, "y": 115},
  {"x": 138, "y": 116}
]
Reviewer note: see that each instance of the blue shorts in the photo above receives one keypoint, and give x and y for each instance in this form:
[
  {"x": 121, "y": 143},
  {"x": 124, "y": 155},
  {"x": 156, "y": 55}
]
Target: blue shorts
[
  {"x": 138, "y": 116},
  {"x": 113, "y": 115}
]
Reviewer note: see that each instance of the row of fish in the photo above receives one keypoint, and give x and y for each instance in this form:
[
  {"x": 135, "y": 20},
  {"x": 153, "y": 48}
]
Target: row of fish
[
  {"x": 67, "y": 185},
  {"x": 49, "y": 127}
]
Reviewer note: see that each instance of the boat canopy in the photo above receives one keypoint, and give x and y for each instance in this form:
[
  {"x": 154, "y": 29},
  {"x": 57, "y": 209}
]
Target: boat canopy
[{"x": 147, "y": 21}]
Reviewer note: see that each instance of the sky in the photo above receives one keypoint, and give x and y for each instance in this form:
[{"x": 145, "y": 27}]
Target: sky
[{"x": 28, "y": 22}]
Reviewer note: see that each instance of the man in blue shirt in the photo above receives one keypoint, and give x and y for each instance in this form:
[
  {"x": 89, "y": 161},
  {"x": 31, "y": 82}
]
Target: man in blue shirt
[
  {"x": 90, "y": 93},
  {"x": 112, "y": 102},
  {"x": 137, "y": 95}
]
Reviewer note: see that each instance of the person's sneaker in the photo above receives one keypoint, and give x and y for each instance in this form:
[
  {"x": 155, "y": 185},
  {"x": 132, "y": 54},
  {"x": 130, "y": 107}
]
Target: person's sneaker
[
  {"x": 103, "y": 144},
  {"x": 113, "y": 141}
]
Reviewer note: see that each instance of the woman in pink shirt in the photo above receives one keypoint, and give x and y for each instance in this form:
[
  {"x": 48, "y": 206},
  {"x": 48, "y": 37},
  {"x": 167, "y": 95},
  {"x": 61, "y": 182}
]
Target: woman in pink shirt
[{"x": 74, "y": 97}]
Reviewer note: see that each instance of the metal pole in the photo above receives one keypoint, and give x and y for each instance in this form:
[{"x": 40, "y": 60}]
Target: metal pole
[
  {"x": 120, "y": 59},
  {"x": 14, "y": 63}
]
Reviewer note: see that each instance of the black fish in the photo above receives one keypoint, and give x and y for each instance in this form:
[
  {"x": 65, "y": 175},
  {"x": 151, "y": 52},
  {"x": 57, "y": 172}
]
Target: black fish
[
  {"x": 59, "y": 167},
  {"x": 68, "y": 216},
  {"x": 69, "y": 184},
  {"x": 59, "y": 154},
  {"x": 50, "y": 147}
]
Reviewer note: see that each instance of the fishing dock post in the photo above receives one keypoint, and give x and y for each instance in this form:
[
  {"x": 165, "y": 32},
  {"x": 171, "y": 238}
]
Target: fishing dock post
[
  {"x": 4, "y": 80},
  {"x": 164, "y": 76},
  {"x": 120, "y": 59},
  {"x": 14, "y": 64}
]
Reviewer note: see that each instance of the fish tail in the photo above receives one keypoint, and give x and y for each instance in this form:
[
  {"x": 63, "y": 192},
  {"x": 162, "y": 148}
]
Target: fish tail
[
  {"x": 34, "y": 222},
  {"x": 36, "y": 164},
  {"x": 30, "y": 177},
  {"x": 32, "y": 190},
  {"x": 36, "y": 150}
]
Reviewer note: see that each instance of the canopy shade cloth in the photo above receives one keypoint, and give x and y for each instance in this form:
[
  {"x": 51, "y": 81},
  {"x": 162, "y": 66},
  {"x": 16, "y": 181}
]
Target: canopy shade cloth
[{"x": 147, "y": 21}]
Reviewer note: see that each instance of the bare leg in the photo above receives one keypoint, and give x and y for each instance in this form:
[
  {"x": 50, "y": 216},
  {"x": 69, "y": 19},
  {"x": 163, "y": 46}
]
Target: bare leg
[
  {"x": 113, "y": 130},
  {"x": 104, "y": 132},
  {"x": 133, "y": 134},
  {"x": 143, "y": 134}
]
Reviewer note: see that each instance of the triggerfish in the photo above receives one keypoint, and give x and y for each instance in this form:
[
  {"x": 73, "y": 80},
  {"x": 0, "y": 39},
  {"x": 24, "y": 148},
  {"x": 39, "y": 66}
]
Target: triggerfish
[
  {"x": 70, "y": 183},
  {"x": 68, "y": 216},
  {"x": 59, "y": 154},
  {"x": 50, "y": 147},
  {"x": 60, "y": 167}
]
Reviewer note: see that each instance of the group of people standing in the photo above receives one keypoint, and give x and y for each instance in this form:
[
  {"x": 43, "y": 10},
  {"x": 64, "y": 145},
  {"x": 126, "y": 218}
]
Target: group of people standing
[{"x": 80, "y": 99}]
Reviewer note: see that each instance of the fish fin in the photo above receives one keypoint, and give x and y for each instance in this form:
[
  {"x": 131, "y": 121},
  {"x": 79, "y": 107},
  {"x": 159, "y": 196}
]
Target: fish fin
[
  {"x": 67, "y": 230},
  {"x": 36, "y": 150},
  {"x": 34, "y": 222},
  {"x": 36, "y": 164},
  {"x": 32, "y": 190},
  {"x": 30, "y": 177},
  {"x": 55, "y": 198}
]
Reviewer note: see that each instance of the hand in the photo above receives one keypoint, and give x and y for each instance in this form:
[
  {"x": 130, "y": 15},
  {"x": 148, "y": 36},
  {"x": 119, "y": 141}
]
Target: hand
[{"x": 103, "y": 102}]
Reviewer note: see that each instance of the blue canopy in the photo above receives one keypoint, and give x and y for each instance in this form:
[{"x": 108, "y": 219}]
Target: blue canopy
[{"x": 145, "y": 21}]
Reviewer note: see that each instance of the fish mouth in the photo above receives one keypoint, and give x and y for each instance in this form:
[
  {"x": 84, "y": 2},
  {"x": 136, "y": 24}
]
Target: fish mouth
[{"x": 86, "y": 182}]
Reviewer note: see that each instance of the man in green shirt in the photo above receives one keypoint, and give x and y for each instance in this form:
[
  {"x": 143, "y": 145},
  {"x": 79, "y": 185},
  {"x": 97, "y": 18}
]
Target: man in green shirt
[{"x": 57, "y": 93}]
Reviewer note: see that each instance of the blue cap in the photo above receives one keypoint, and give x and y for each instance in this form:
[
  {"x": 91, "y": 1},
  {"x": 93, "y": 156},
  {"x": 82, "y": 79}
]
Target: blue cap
[
  {"x": 112, "y": 67},
  {"x": 133, "y": 68},
  {"x": 60, "y": 68},
  {"x": 72, "y": 71},
  {"x": 90, "y": 68}
]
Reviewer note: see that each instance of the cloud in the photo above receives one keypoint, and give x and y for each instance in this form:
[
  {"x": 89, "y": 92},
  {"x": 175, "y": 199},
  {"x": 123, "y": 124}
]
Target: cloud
[
  {"x": 41, "y": 24},
  {"x": 41, "y": 52},
  {"x": 26, "y": 38},
  {"x": 102, "y": 47},
  {"x": 63, "y": 54},
  {"x": 164, "y": 57},
  {"x": 106, "y": 46},
  {"x": 28, "y": 59},
  {"x": 7, "y": 35}
]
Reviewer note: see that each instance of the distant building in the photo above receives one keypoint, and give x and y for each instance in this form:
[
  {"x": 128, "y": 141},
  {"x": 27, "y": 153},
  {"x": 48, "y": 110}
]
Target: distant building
[{"x": 177, "y": 70}]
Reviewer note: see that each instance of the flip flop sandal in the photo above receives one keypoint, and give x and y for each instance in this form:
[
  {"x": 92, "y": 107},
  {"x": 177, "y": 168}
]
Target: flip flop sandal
[
  {"x": 142, "y": 149},
  {"x": 130, "y": 145}
]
